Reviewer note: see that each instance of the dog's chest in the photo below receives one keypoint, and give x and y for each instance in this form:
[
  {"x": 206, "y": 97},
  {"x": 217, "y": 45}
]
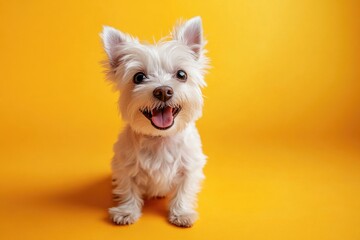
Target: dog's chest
[{"x": 160, "y": 163}]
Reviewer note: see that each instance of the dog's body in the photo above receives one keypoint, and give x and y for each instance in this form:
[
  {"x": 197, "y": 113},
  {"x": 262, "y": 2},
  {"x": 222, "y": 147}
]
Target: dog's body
[{"x": 159, "y": 152}]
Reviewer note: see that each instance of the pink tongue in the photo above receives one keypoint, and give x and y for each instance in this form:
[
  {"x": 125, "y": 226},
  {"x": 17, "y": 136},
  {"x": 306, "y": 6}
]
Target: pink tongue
[{"x": 162, "y": 118}]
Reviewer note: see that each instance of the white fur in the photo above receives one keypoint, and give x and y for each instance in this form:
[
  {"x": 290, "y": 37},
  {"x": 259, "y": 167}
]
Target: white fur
[{"x": 149, "y": 162}]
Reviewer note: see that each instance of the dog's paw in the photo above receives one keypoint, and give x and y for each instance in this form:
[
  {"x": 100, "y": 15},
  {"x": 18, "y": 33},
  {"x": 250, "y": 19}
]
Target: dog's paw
[
  {"x": 183, "y": 220},
  {"x": 121, "y": 217}
]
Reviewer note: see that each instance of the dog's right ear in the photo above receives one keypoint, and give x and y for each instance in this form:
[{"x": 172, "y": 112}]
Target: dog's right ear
[{"x": 113, "y": 40}]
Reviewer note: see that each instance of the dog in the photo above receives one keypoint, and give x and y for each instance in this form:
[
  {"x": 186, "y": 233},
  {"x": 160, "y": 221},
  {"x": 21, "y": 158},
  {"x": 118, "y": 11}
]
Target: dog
[{"x": 159, "y": 152}]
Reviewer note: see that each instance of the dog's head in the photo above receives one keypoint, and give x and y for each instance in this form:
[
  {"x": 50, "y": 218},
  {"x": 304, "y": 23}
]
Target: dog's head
[{"x": 160, "y": 84}]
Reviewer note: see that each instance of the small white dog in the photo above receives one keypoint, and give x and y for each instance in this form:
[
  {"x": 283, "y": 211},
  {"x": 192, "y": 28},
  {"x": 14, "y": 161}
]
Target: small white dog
[{"x": 159, "y": 152}]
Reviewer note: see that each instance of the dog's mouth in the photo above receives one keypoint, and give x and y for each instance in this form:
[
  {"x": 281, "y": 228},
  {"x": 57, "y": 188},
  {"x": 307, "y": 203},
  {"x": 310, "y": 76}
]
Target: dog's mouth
[{"x": 162, "y": 118}]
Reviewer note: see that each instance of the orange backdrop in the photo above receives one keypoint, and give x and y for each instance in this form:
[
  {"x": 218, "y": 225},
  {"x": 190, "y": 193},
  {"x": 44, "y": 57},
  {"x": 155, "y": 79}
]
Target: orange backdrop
[{"x": 281, "y": 121}]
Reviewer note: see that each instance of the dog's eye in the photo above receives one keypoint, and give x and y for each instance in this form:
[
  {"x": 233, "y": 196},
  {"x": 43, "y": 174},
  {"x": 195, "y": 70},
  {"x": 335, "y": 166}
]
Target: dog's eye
[
  {"x": 139, "y": 78},
  {"x": 181, "y": 75}
]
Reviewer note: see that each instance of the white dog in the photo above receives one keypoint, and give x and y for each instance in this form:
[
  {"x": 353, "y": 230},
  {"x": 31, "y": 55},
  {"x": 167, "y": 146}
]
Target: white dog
[{"x": 159, "y": 151}]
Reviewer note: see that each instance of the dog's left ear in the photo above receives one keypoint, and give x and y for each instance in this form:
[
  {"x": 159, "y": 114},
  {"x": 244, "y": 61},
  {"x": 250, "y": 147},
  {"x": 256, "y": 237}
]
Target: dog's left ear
[{"x": 191, "y": 33}]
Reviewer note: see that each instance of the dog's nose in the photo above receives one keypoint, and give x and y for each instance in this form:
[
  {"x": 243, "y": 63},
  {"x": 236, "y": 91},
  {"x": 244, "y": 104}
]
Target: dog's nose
[{"x": 163, "y": 93}]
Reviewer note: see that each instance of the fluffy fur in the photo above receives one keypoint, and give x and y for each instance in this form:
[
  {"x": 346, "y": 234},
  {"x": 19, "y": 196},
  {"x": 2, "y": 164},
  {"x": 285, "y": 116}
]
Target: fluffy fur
[{"x": 150, "y": 162}]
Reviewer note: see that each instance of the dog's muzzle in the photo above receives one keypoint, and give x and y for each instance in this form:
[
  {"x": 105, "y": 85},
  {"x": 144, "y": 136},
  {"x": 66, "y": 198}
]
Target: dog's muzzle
[{"x": 162, "y": 118}]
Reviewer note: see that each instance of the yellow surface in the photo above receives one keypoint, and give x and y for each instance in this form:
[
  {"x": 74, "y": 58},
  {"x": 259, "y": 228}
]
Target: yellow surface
[{"x": 281, "y": 122}]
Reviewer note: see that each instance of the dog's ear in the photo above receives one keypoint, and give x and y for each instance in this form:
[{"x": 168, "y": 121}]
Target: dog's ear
[
  {"x": 113, "y": 40},
  {"x": 191, "y": 33}
]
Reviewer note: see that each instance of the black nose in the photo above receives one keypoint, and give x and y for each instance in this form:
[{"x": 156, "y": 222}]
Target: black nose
[{"x": 163, "y": 93}]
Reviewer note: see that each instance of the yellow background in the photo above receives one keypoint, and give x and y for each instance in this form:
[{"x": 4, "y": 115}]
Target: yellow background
[{"x": 281, "y": 121}]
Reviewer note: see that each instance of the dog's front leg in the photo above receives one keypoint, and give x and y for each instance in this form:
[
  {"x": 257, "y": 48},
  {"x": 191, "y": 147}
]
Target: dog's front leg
[
  {"x": 182, "y": 205},
  {"x": 129, "y": 200}
]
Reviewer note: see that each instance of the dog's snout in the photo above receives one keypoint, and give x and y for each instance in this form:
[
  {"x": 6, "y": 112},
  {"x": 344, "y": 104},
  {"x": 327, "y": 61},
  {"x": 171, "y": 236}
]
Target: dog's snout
[{"x": 163, "y": 93}]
